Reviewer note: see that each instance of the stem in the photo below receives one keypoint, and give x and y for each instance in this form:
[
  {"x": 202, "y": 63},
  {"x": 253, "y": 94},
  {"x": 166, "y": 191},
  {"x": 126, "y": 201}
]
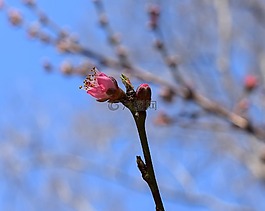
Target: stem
[{"x": 147, "y": 168}]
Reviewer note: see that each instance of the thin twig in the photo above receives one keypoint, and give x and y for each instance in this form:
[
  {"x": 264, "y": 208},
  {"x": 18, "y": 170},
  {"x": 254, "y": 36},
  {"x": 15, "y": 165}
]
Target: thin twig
[{"x": 147, "y": 168}]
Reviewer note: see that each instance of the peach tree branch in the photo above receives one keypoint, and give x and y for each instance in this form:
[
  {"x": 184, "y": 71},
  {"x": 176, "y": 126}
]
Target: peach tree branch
[{"x": 138, "y": 102}]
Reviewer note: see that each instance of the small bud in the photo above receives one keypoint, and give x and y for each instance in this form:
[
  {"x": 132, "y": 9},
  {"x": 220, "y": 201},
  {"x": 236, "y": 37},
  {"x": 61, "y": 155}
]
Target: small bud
[
  {"x": 66, "y": 68},
  {"x": 63, "y": 34},
  {"x": 121, "y": 51},
  {"x": 63, "y": 46},
  {"x": 143, "y": 97},
  {"x": 74, "y": 48},
  {"x": 103, "y": 20},
  {"x": 158, "y": 44},
  {"x": 30, "y": 3},
  {"x": 167, "y": 94},
  {"x": 127, "y": 83},
  {"x": 44, "y": 38},
  {"x": 114, "y": 39},
  {"x": 84, "y": 67},
  {"x": 172, "y": 61},
  {"x": 15, "y": 17},
  {"x": 154, "y": 12},
  {"x": 141, "y": 165},
  {"x": 250, "y": 82},
  {"x": 162, "y": 119},
  {"x": 33, "y": 30},
  {"x": 47, "y": 66},
  {"x": 43, "y": 19}
]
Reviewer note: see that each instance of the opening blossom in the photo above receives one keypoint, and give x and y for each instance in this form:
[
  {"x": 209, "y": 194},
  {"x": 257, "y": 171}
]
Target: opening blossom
[{"x": 102, "y": 87}]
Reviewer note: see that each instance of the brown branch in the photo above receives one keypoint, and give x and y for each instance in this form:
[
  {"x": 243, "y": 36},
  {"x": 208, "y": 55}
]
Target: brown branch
[
  {"x": 147, "y": 168},
  {"x": 205, "y": 103},
  {"x": 160, "y": 43},
  {"x": 113, "y": 38}
]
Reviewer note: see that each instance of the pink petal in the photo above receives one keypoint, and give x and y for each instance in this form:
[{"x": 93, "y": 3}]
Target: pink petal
[
  {"x": 106, "y": 82},
  {"x": 102, "y": 74},
  {"x": 97, "y": 92}
]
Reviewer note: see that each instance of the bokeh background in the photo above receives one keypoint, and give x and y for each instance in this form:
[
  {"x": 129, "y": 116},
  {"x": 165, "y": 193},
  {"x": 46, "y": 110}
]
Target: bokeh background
[{"x": 62, "y": 150}]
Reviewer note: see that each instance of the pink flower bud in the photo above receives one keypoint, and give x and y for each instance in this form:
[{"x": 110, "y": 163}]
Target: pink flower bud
[
  {"x": 163, "y": 119},
  {"x": 15, "y": 17},
  {"x": 143, "y": 97},
  {"x": 102, "y": 87},
  {"x": 250, "y": 82},
  {"x": 154, "y": 12}
]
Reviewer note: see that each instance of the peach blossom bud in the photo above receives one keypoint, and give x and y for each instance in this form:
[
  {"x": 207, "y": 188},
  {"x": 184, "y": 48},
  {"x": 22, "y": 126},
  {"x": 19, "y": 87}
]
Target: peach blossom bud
[
  {"x": 103, "y": 20},
  {"x": 250, "y": 82},
  {"x": 143, "y": 97},
  {"x": 62, "y": 45},
  {"x": 44, "y": 38},
  {"x": 66, "y": 67},
  {"x": 167, "y": 94},
  {"x": 154, "y": 12},
  {"x": 74, "y": 47},
  {"x": 29, "y": 2},
  {"x": 15, "y": 17},
  {"x": 172, "y": 61},
  {"x": 63, "y": 34},
  {"x": 162, "y": 119},
  {"x": 121, "y": 51},
  {"x": 159, "y": 44},
  {"x": 33, "y": 30},
  {"x": 43, "y": 19},
  {"x": 47, "y": 65},
  {"x": 114, "y": 39}
]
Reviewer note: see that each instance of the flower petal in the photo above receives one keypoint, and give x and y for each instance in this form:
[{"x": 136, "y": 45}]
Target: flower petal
[
  {"x": 106, "y": 82},
  {"x": 97, "y": 92}
]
